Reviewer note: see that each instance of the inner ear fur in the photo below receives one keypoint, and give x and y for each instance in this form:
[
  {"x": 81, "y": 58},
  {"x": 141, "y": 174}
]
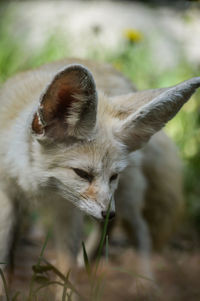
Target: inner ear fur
[{"x": 68, "y": 106}]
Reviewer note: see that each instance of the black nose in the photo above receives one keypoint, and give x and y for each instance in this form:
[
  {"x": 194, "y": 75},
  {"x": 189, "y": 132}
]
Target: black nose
[{"x": 111, "y": 214}]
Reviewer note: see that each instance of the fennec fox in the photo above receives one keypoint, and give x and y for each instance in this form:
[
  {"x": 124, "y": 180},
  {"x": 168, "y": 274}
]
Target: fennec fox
[{"x": 70, "y": 145}]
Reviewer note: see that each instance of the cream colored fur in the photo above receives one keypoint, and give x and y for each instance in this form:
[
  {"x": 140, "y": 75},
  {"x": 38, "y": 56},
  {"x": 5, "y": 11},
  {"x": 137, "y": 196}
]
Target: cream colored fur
[{"x": 54, "y": 122}]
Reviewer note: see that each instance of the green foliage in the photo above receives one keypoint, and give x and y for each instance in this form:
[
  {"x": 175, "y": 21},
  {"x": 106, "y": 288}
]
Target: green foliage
[
  {"x": 11, "y": 52},
  {"x": 16, "y": 55}
]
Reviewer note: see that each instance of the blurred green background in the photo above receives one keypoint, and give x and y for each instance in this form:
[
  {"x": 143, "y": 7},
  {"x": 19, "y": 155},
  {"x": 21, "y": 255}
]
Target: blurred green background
[{"x": 135, "y": 57}]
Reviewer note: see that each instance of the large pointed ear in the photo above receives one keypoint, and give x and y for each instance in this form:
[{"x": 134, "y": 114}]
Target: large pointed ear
[
  {"x": 68, "y": 106},
  {"x": 139, "y": 126}
]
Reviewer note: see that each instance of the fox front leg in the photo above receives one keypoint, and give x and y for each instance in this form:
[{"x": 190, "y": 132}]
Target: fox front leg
[{"x": 67, "y": 231}]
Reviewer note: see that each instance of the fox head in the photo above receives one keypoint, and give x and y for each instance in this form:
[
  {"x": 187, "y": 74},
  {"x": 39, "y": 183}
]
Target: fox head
[{"x": 81, "y": 140}]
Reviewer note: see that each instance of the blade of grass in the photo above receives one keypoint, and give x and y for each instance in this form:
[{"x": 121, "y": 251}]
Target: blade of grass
[
  {"x": 107, "y": 248},
  {"x": 103, "y": 236},
  {"x": 43, "y": 248},
  {"x": 69, "y": 296},
  {"x": 64, "y": 295},
  {"x": 86, "y": 260},
  {"x": 5, "y": 285},
  {"x": 98, "y": 288},
  {"x": 41, "y": 269},
  {"x": 16, "y": 295},
  {"x": 37, "y": 265},
  {"x": 61, "y": 276},
  {"x": 41, "y": 279},
  {"x": 94, "y": 283},
  {"x": 47, "y": 284},
  {"x": 54, "y": 269}
]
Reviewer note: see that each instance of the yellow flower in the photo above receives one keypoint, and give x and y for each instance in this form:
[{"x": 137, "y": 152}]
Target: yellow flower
[
  {"x": 133, "y": 35},
  {"x": 118, "y": 65}
]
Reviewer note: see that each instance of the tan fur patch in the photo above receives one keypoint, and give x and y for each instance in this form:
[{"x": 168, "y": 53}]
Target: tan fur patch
[{"x": 91, "y": 192}]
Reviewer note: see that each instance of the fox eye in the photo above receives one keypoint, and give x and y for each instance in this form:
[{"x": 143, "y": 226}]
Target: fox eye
[
  {"x": 83, "y": 174},
  {"x": 113, "y": 177}
]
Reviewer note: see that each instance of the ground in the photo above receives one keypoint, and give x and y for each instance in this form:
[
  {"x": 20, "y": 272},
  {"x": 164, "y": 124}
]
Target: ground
[{"x": 176, "y": 271}]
